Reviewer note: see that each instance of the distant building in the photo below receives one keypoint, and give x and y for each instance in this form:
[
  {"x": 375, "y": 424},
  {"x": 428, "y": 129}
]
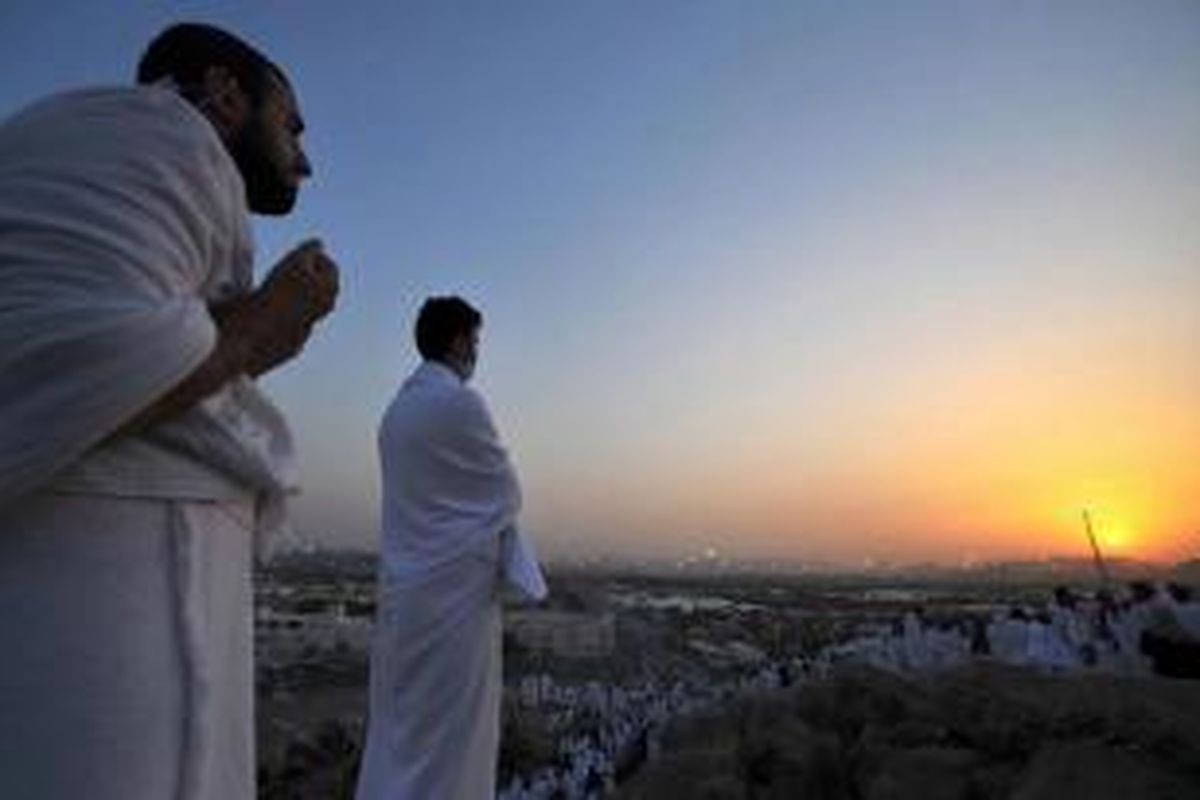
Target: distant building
[{"x": 563, "y": 633}]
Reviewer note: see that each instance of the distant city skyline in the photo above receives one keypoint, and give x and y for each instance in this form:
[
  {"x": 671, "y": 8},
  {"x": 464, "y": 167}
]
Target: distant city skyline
[{"x": 827, "y": 281}]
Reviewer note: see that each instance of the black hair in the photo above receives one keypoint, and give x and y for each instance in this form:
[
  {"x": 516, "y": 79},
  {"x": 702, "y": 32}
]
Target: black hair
[
  {"x": 440, "y": 321},
  {"x": 185, "y": 51}
]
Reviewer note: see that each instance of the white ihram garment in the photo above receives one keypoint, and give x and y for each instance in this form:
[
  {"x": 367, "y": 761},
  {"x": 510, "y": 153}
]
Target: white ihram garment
[
  {"x": 127, "y": 642},
  {"x": 124, "y": 560},
  {"x": 450, "y": 503}
]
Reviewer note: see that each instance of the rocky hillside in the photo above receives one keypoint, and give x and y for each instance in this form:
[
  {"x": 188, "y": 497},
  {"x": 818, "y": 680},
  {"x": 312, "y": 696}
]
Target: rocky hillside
[{"x": 982, "y": 733}]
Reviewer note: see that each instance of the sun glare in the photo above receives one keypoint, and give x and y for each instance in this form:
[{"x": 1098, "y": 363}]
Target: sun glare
[
  {"x": 1115, "y": 535},
  {"x": 1114, "y": 538}
]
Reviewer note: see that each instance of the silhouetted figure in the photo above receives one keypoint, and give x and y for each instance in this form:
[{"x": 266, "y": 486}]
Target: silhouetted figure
[{"x": 450, "y": 537}]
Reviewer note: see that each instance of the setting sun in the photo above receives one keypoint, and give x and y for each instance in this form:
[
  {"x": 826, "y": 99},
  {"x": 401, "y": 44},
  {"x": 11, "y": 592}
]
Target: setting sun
[{"x": 1114, "y": 536}]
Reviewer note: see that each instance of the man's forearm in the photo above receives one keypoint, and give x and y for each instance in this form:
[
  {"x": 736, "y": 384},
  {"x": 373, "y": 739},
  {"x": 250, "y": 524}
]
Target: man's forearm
[
  {"x": 256, "y": 332},
  {"x": 226, "y": 361}
]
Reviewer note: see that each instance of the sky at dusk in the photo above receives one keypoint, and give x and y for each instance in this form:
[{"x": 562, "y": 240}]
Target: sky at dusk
[{"x": 839, "y": 281}]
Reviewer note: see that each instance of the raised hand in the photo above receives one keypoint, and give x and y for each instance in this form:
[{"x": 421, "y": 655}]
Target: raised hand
[
  {"x": 305, "y": 280},
  {"x": 271, "y": 326}
]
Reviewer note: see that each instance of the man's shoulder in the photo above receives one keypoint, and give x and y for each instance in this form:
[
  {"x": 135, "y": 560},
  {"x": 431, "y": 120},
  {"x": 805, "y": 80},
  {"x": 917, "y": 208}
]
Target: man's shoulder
[
  {"x": 142, "y": 143},
  {"x": 127, "y": 122},
  {"x": 433, "y": 377},
  {"x": 427, "y": 398},
  {"x": 444, "y": 395},
  {"x": 120, "y": 105}
]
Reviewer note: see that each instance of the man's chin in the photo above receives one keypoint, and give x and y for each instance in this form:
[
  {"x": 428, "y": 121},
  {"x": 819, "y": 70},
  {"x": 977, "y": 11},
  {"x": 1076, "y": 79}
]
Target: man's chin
[{"x": 272, "y": 204}]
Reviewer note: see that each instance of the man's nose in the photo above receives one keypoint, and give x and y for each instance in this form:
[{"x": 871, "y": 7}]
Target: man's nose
[{"x": 303, "y": 165}]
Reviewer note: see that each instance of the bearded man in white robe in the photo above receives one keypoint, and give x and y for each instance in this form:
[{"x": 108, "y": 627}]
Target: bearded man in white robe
[
  {"x": 138, "y": 459},
  {"x": 449, "y": 541}
]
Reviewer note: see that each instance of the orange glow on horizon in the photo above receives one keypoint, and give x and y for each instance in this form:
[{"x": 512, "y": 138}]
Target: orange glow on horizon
[{"x": 984, "y": 460}]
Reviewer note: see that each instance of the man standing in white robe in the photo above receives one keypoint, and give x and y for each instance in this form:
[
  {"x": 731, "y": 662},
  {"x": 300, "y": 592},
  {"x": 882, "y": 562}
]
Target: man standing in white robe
[
  {"x": 138, "y": 459},
  {"x": 449, "y": 540}
]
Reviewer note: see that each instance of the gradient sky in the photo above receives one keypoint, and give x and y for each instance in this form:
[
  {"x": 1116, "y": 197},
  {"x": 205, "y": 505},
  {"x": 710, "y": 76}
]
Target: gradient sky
[{"x": 845, "y": 281}]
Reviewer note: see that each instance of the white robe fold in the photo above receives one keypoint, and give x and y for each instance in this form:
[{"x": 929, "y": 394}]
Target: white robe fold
[
  {"x": 122, "y": 218},
  {"x": 449, "y": 539},
  {"x": 127, "y": 644}
]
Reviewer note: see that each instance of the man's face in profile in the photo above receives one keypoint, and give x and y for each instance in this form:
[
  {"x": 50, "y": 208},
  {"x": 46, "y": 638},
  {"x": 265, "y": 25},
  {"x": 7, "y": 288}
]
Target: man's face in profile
[
  {"x": 464, "y": 354},
  {"x": 268, "y": 152}
]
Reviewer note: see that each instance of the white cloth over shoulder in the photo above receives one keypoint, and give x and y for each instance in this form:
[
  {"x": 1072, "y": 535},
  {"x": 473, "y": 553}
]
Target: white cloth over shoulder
[
  {"x": 449, "y": 487},
  {"x": 450, "y": 503},
  {"x": 122, "y": 217},
  {"x": 125, "y": 560}
]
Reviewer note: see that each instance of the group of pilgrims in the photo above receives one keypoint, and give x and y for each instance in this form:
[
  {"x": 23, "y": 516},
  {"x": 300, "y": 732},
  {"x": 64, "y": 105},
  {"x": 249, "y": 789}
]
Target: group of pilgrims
[
  {"x": 607, "y": 731},
  {"x": 1133, "y": 631}
]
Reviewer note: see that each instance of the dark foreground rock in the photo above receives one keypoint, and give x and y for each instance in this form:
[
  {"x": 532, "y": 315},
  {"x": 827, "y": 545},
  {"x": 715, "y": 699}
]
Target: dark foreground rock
[{"x": 982, "y": 733}]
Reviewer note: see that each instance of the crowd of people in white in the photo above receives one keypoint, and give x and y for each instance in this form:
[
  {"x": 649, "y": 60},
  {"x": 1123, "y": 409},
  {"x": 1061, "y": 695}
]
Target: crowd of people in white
[
  {"x": 616, "y": 727},
  {"x": 621, "y": 725},
  {"x": 1103, "y": 631}
]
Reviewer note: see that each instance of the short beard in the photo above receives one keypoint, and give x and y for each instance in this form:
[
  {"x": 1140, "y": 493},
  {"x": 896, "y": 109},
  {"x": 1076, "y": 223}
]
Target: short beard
[{"x": 267, "y": 192}]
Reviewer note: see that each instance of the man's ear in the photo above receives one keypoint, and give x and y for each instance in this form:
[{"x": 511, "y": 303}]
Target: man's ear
[{"x": 223, "y": 100}]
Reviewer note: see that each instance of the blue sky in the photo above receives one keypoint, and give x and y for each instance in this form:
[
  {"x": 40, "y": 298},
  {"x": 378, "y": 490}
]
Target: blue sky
[{"x": 810, "y": 280}]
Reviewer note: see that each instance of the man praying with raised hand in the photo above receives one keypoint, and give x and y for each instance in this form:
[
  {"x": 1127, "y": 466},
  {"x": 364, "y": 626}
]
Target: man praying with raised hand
[{"x": 139, "y": 461}]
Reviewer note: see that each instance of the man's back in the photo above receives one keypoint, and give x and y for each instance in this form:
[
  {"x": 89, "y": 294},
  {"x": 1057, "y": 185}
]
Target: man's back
[
  {"x": 448, "y": 485},
  {"x": 450, "y": 502}
]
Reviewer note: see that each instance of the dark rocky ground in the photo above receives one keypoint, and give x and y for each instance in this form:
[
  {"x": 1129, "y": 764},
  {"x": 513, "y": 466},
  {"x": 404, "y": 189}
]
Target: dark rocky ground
[
  {"x": 977, "y": 734},
  {"x": 983, "y": 733}
]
